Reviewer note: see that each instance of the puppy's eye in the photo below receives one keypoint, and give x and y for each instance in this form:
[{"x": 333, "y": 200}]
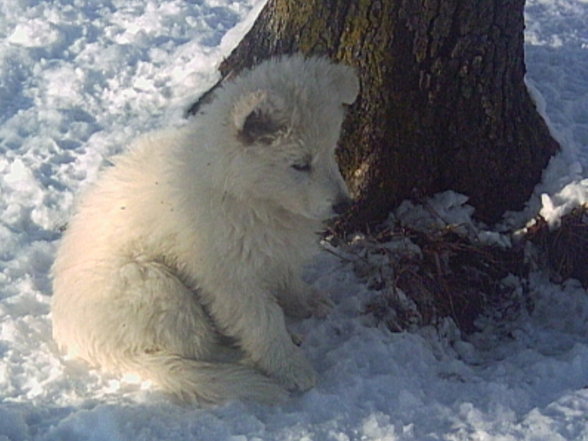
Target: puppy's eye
[{"x": 305, "y": 167}]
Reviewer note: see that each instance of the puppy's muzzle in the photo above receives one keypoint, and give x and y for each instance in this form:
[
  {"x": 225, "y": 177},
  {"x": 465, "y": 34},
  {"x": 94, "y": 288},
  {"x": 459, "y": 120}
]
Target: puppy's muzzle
[{"x": 342, "y": 205}]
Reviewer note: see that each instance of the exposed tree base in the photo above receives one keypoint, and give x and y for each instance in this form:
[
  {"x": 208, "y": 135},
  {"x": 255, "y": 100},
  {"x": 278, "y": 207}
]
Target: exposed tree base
[{"x": 423, "y": 278}]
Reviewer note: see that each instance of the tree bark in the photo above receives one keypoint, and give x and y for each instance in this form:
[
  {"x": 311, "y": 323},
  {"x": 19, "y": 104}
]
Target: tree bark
[{"x": 443, "y": 104}]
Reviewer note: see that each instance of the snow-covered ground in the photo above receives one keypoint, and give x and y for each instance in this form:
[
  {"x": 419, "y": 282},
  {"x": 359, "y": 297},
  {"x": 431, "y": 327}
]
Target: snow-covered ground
[{"x": 80, "y": 78}]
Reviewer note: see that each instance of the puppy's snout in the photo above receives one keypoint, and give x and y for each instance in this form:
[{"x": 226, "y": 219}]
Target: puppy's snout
[{"x": 342, "y": 205}]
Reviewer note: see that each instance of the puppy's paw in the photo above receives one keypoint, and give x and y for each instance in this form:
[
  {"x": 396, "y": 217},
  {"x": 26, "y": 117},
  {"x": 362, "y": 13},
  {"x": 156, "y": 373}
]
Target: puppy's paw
[
  {"x": 297, "y": 374},
  {"x": 296, "y": 309},
  {"x": 307, "y": 302}
]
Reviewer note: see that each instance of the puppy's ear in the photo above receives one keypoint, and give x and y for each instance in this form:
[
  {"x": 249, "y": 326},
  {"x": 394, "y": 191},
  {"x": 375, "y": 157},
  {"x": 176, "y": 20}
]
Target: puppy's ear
[
  {"x": 346, "y": 83},
  {"x": 256, "y": 118}
]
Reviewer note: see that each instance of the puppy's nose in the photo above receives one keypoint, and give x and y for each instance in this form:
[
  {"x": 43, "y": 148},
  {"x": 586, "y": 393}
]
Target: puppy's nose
[{"x": 341, "y": 206}]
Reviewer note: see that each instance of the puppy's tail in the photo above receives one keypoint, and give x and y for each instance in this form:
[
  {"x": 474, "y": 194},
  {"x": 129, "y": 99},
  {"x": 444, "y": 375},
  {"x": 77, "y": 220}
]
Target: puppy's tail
[{"x": 204, "y": 382}]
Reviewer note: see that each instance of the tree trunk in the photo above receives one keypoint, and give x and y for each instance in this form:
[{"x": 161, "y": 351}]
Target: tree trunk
[{"x": 443, "y": 104}]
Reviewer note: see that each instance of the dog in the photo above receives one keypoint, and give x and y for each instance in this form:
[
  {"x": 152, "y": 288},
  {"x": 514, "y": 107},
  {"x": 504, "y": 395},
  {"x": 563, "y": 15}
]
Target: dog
[{"x": 182, "y": 259}]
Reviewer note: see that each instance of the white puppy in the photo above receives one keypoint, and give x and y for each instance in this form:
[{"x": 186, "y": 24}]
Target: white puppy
[{"x": 184, "y": 256}]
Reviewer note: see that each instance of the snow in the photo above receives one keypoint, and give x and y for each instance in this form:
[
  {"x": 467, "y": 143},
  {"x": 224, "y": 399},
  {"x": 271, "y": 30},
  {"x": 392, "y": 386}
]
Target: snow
[
  {"x": 80, "y": 78},
  {"x": 557, "y": 41}
]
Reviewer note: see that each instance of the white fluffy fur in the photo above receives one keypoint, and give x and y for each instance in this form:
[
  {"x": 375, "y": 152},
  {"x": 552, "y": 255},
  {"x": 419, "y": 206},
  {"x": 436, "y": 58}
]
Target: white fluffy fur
[{"x": 184, "y": 256}]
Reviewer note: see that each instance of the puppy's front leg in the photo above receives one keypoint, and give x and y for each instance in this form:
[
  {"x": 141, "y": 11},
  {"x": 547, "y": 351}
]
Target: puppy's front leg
[{"x": 253, "y": 316}]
